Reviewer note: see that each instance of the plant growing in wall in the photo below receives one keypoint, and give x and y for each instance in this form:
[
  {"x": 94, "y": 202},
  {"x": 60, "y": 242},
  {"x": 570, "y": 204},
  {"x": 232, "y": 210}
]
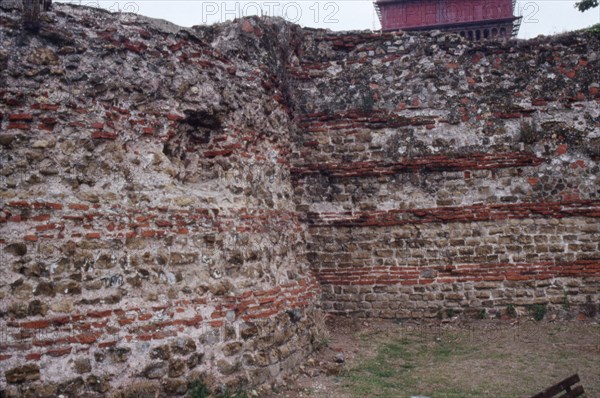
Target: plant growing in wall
[
  {"x": 529, "y": 133},
  {"x": 368, "y": 101},
  {"x": 321, "y": 335},
  {"x": 594, "y": 29},
  {"x": 566, "y": 305},
  {"x": 482, "y": 314},
  {"x": 31, "y": 13},
  {"x": 538, "y": 311},
  {"x": 198, "y": 389},
  {"x": 593, "y": 146},
  {"x": 511, "y": 311},
  {"x": 590, "y": 308}
]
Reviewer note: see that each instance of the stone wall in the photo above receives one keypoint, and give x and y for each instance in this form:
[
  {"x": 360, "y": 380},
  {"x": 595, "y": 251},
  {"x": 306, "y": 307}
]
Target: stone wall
[
  {"x": 148, "y": 233},
  {"x": 177, "y": 204},
  {"x": 439, "y": 176}
]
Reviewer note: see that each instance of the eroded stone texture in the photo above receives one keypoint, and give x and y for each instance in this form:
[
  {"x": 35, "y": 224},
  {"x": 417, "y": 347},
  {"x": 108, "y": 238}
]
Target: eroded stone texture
[
  {"x": 149, "y": 236},
  {"x": 450, "y": 177},
  {"x": 173, "y": 199}
]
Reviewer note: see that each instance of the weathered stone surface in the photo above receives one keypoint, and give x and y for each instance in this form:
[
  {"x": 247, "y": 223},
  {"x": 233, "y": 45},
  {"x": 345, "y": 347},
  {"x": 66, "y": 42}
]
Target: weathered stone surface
[
  {"x": 232, "y": 348},
  {"x": 248, "y": 330},
  {"x": 161, "y": 352},
  {"x": 194, "y": 360},
  {"x": 183, "y": 346},
  {"x": 43, "y": 56},
  {"x": 176, "y": 367},
  {"x": 227, "y": 367},
  {"x": 155, "y": 370},
  {"x": 179, "y": 205},
  {"x": 37, "y": 307},
  {"x": 174, "y": 387},
  {"x": 21, "y": 374},
  {"x": 119, "y": 354},
  {"x": 82, "y": 365},
  {"x": 17, "y": 249},
  {"x": 45, "y": 288},
  {"x": 142, "y": 389},
  {"x": 71, "y": 387},
  {"x": 97, "y": 384},
  {"x": 18, "y": 310}
]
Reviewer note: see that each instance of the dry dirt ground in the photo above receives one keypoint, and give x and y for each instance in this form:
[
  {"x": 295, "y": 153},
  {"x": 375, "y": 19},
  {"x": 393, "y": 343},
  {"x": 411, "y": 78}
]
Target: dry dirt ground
[{"x": 452, "y": 359}]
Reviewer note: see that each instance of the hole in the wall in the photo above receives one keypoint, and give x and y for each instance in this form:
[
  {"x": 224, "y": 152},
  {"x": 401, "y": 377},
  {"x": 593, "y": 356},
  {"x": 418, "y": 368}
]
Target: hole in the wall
[
  {"x": 202, "y": 124},
  {"x": 295, "y": 315},
  {"x": 193, "y": 131}
]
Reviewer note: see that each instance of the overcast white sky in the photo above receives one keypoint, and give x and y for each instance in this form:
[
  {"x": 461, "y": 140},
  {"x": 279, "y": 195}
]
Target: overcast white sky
[{"x": 539, "y": 16}]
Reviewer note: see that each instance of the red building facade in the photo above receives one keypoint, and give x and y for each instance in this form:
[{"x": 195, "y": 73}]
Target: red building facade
[{"x": 474, "y": 19}]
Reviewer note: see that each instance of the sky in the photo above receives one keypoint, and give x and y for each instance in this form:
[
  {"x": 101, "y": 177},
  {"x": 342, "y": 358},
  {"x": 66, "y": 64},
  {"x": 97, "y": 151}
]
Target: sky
[{"x": 540, "y": 17}]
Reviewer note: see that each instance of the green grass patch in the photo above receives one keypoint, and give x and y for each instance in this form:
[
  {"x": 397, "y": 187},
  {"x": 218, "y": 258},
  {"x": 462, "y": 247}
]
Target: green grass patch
[
  {"x": 392, "y": 370},
  {"x": 490, "y": 360}
]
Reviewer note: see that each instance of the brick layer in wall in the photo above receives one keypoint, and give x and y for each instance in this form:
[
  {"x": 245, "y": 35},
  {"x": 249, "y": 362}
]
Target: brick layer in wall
[
  {"x": 449, "y": 176},
  {"x": 160, "y": 226},
  {"x": 147, "y": 234}
]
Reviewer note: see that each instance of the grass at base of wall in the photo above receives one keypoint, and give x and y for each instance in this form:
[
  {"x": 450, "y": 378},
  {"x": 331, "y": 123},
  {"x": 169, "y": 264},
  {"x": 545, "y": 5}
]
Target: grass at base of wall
[{"x": 473, "y": 362}]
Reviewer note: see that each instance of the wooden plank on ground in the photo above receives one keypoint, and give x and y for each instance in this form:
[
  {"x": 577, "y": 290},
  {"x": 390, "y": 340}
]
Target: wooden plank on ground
[
  {"x": 576, "y": 392},
  {"x": 561, "y": 386}
]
